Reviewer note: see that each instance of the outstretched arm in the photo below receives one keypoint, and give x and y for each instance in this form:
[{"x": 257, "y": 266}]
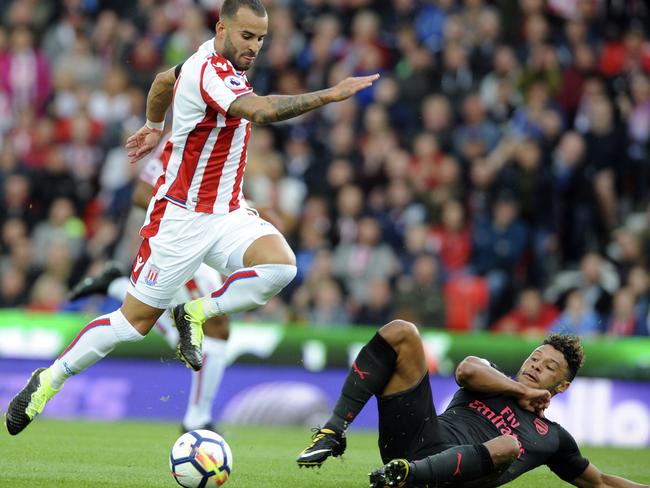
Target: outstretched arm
[
  {"x": 159, "y": 99},
  {"x": 273, "y": 108},
  {"x": 478, "y": 375},
  {"x": 593, "y": 478}
]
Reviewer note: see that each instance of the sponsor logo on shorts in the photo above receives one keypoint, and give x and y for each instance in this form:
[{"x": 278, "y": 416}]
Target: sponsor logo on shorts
[{"x": 152, "y": 276}]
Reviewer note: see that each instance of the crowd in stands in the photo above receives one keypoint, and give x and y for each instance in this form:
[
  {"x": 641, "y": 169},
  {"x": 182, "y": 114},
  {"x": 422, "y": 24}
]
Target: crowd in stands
[{"x": 497, "y": 176}]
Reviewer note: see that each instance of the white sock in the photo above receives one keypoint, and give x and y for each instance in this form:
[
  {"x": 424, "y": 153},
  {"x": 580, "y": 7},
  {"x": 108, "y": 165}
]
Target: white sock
[
  {"x": 92, "y": 343},
  {"x": 205, "y": 384},
  {"x": 118, "y": 287},
  {"x": 248, "y": 288},
  {"x": 165, "y": 327}
]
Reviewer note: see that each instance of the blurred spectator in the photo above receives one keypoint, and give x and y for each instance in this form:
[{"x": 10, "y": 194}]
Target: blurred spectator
[
  {"x": 482, "y": 176},
  {"x": 13, "y": 230},
  {"x": 110, "y": 104},
  {"x": 529, "y": 181},
  {"x": 81, "y": 63},
  {"x": 311, "y": 241},
  {"x": 503, "y": 76},
  {"x": 16, "y": 200},
  {"x": 477, "y": 135},
  {"x": 577, "y": 317},
  {"x": 527, "y": 119},
  {"x": 419, "y": 297},
  {"x": 62, "y": 226},
  {"x": 430, "y": 23},
  {"x": 21, "y": 258},
  {"x": 415, "y": 73},
  {"x": 573, "y": 79},
  {"x": 456, "y": 79},
  {"x": 275, "y": 311},
  {"x": 596, "y": 278},
  {"x": 532, "y": 316},
  {"x": 542, "y": 65},
  {"x": 486, "y": 25},
  {"x": 574, "y": 216},
  {"x": 187, "y": 38},
  {"x": 402, "y": 211},
  {"x": 623, "y": 319},
  {"x": 13, "y": 288},
  {"x": 626, "y": 252},
  {"x": 357, "y": 264},
  {"x": 424, "y": 167},
  {"x": 638, "y": 132},
  {"x": 437, "y": 119},
  {"x": 415, "y": 244},
  {"x": 349, "y": 206},
  {"x": 278, "y": 191},
  {"x": 25, "y": 72},
  {"x": 451, "y": 240},
  {"x": 498, "y": 244},
  {"x": 378, "y": 307},
  {"x": 48, "y": 294},
  {"x": 605, "y": 142},
  {"x": 328, "y": 308},
  {"x": 630, "y": 54},
  {"x": 55, "y": 180}
]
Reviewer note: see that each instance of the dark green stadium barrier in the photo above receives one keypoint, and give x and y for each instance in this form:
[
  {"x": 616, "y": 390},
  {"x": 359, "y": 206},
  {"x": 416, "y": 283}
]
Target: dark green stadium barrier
[{"x": 43, "y": 335}]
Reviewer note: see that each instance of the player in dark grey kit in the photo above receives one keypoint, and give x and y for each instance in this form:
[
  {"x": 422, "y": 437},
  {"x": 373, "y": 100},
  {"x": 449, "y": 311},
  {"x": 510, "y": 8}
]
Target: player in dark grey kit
[{"x": 493, "y": 431}]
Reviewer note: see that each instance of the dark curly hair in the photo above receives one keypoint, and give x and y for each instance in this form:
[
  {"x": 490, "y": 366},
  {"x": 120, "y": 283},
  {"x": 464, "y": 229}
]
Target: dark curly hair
[{"x": 571, "y": 348}]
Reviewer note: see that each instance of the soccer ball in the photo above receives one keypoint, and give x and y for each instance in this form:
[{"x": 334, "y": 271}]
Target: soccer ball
[{"x": 200, "y": 457}]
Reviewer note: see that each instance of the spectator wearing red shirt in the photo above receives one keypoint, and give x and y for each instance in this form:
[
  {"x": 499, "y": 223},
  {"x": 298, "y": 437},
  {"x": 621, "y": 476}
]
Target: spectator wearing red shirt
[
  {"x": 630, "y": 54},
  {"x": 451, "y": 241},
  {"x": 532, "y": 315}
]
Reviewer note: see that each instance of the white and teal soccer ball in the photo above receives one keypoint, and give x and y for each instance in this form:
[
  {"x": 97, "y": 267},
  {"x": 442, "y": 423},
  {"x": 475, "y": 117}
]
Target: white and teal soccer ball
[{"x": 200, "y": 458}]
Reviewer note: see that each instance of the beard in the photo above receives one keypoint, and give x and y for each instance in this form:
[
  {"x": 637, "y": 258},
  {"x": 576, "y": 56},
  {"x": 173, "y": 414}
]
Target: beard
[{"x": 230, "y": 53}]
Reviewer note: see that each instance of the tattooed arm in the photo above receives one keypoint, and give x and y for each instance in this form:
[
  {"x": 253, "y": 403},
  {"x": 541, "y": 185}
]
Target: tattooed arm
[{"x": 273, "y": 108}]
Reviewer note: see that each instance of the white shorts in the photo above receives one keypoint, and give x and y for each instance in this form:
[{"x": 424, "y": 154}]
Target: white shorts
[
  {"x": 176, "y": 242},
  {"x": 204, "y": 282}
]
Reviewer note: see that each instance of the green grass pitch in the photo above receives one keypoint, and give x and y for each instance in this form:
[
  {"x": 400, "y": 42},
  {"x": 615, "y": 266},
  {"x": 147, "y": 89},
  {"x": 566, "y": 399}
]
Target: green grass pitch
[{"x": 134, "y": 454}]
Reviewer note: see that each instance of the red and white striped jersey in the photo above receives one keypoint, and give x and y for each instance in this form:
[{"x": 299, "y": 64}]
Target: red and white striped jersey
[{"x": 205, "y": 159}]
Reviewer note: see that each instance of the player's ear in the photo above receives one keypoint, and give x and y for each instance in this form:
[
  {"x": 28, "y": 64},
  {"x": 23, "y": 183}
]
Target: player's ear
[
  {"x": 561, "y": 387},
  {"x": 220, "y": 27}
]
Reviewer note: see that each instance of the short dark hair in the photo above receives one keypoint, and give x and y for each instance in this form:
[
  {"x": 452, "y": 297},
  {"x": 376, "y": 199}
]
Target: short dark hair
[
  {"x": 571, "y": 348},
  {"x": 230, "y": 8}
]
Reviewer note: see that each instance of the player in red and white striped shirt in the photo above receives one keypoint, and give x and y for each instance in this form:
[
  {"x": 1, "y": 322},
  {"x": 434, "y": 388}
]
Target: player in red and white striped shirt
[
  {"x": 205, "y": 383},
  {"x": 196, "y": 214}
]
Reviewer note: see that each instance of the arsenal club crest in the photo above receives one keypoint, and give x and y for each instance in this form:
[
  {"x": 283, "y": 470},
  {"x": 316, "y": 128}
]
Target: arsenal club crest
[{"x": 541, "y": 426}]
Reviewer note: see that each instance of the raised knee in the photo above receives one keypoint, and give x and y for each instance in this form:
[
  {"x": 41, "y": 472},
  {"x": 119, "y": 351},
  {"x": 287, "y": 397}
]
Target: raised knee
[
  {"x": 277, "y": 276},
  {"x": 398, "y": 332}
]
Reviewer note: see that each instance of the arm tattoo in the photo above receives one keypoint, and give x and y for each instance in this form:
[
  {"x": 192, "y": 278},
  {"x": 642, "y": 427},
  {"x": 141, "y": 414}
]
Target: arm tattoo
[{"x": 283, "y": 107}]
